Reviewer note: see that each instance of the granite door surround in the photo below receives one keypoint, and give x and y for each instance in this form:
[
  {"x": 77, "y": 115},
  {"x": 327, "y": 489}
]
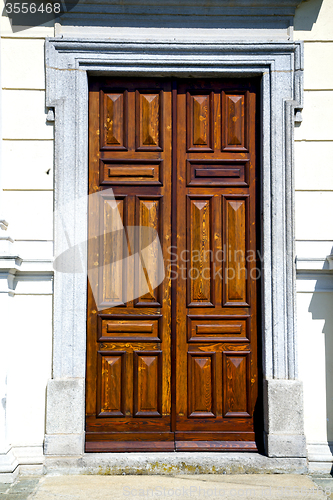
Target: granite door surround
[{"x": 69, "y": 62}]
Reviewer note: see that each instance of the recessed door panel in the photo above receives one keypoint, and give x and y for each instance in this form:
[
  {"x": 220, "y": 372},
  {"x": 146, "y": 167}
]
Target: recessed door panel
[
  {"x": 111, "y": 368},
  {"x": 147, "y": 384},
  {"x": 235, "y": 270},
  {"x": 199, "y": 251},
  {"x": 235, "y": 128},
  {"x": 149, "y": 121},
  {"x": 236, "y": 397},
  {"x": 201, "y": 385},
  {"x": 148, "y": 222},
  {"x": 113, "y": 107}
]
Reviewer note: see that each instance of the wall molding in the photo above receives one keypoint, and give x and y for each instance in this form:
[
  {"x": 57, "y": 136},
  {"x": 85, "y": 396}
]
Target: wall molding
[
  {"x": 312, "y": 264},
  {"x": 238, "y": 20},
  {"x": 280, "y": 66}
]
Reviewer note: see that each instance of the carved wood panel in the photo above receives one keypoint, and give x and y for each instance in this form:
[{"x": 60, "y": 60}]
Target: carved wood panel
[
  {"x": 201, "y": 385},
  {"x": 112, "y": 264},
  {"x": 133, "y": 328},
  {"x": 149, "y": 121},
  {"x": 147, "y": 384},
  {"x": 236, "y": 384},
  {"x": 236, "y": 234},
  {"x": 216, "y": 329},
  {"x": 148, "y": 215},
  {"x": 200, "y": 249},
  {"x": 200, "y": 122},
  {"x": 131, "y": 172},
  {"x": 235, "y": 121},
  {"x": 113, "y": 110},
  {"x": 207, "y": 173},
  {"x": 111, "y": 375}
]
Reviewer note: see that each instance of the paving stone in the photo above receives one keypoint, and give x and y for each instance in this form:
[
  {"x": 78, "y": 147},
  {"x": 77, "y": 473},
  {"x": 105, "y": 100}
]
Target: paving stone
[
  {"x": 22, "y": 485},
  {"x": 326, "y": 483},
  {"x": 194, "y": 487},
  {"x": 18, "y": 496}
]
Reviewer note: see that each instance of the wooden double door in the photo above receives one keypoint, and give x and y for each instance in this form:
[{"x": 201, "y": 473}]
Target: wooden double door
[{"x": 173, "y": 367}]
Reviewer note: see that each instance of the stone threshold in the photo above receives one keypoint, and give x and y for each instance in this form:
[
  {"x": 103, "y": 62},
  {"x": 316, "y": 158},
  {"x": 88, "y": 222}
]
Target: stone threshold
[{"x": 173, "y": 463}]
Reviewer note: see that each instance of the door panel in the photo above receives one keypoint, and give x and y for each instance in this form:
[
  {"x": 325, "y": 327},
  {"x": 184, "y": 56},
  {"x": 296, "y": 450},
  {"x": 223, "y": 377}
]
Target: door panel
[
  {"x": 110, "y": 380},
  {"x": 173, "y": 366},
  {"x": 201, "y": 385},
  {"x": 235, "y": 212},
  {"x": 216, "y": 349},
  {"x": 200, "y": 288},
  {"x": 128, "y": 334},
  {"x": 147, "y": 384}
]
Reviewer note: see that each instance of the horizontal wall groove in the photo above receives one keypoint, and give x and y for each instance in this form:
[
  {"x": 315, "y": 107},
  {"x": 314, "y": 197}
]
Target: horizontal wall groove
[
  {"x": 318, "y": 90},
  {"x": 23, "y": 88},
  {"x": 4, "y": 37},
  {"x": 23, "y": 139},
  {"x": 35, "y": 241},
  {"x": 26, "y": 190},
  {"x": 317, "y": 41},
  {"x": 313, "y": 140}
]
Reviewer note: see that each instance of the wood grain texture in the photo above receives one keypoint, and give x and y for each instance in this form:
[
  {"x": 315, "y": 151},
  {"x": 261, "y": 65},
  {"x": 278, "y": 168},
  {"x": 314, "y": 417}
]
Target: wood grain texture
[
  {"x": 201, "y": 385},
  {"x": 236, "y": 269},
  {"x": 236, "y": 387},
  {"x": 215, "y": 329},
  {"x": 135, "y": 171},
  {"x": 111, "y": 374},
  {"x": 235, "y": 129},
  {"x": 147, "y": 384},
  {"x": 148, "y": 215},
  {"x": 112, "y": 264},
  {"x": 113, "y": 108},
  {"x": 199, "y": 227},
  {"x": 200, "y": 122},
  {"x": 149, "y": 121},
  {"x": 115, "y": 119},
  {"x": 211, "y": 445},
  {"x": 216, "y": 172},
  {"x": 181, "y": 158},
  {"x": 129, "y": 328},
  {"x": 216, "y": 189},
  {"x": 129, "y": 144}
]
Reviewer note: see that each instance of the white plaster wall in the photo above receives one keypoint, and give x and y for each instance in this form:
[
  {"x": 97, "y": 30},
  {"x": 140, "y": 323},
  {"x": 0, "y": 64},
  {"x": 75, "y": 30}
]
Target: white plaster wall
[
  {"x": 30, "y": 369},
  {"x": 314, "y": 230},
  {"x": 315, "y": 319},
  {"x": 27, "y": 180},
  {"x": 27, "y": 206}
]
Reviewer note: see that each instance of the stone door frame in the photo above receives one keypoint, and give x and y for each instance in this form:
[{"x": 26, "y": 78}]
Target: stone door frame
[{"x": 68, "y": 65}]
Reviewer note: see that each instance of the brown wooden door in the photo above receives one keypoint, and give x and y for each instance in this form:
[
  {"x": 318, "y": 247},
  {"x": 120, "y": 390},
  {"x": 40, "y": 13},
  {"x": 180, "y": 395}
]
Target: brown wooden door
[
  {"x": 173, "y": 367},
  {"x": 215, "y": 306}
]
